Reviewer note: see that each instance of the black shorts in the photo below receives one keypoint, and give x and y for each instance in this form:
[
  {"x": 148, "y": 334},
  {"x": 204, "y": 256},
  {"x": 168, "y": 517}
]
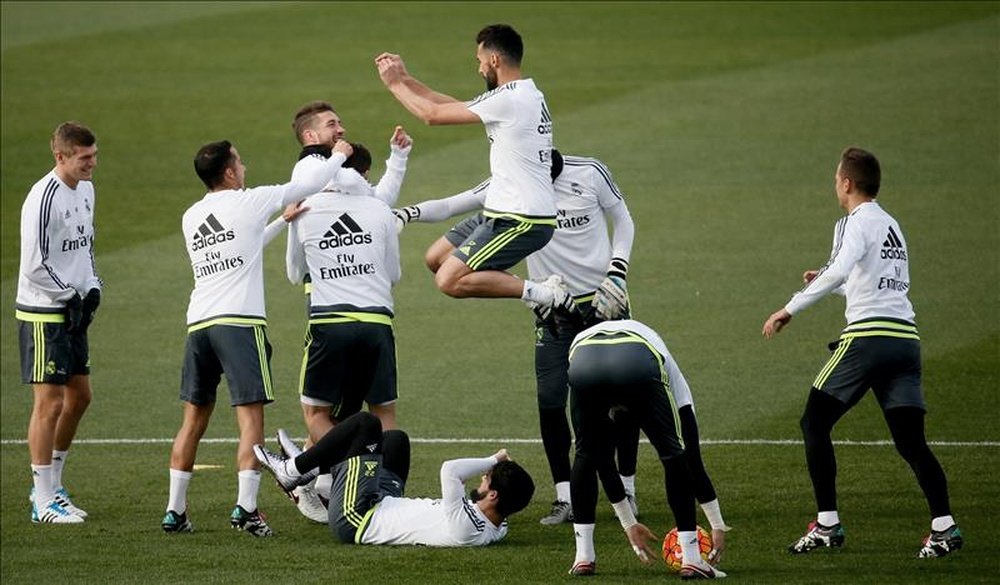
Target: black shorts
[
  {"x": 499, "y": 241},
  {"x": 348, "y": 363},
  {"x": 869, "y": 355},
  {"x": 243, "y": 353},
  {"x": 624, "y": 374},
  {"x": 50, "y": 354},
  {"x": 359, "y": 484}
]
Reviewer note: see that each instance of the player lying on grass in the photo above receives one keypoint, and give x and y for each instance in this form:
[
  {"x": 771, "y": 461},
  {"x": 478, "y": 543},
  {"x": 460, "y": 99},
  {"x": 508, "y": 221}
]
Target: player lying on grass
[{"x": 370, "y": 467}]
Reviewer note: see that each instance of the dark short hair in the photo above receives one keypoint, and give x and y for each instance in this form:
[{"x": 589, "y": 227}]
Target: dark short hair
[
  {"x": 503, "y": 39},
  {"x": 212, "y": 161},
  {"x": 513, "y": 485},
  {"x": 557, "y": 164},
  {"x": 69, "y": 135},
  {"x": 862, "y": 168},
  {"x": 360, "y": 160},
  {"x": 307, "y": 113}
]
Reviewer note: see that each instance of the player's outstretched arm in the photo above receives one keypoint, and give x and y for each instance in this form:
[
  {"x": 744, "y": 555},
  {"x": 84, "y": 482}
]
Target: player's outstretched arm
[
  {"x": 429, "y": 106},
  {"x": 643, "y": 542}
]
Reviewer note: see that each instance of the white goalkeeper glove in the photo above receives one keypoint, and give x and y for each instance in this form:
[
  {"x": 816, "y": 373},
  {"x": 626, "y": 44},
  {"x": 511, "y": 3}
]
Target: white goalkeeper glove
[
  {"x": 611, "y": 298},
  {"x": 405, "y": 215}
]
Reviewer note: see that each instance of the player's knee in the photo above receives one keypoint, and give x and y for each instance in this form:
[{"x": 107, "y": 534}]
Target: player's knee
[
  {"x": 432, "y": 261},
  {"x": 448, "y": 283}
]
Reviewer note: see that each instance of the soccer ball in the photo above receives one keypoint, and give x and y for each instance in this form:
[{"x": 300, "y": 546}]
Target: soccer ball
[{"x": 672, "y": 548}]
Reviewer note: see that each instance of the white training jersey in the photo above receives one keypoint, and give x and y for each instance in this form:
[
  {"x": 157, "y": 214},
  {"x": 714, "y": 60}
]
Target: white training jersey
[
  {"x": 451, "y": 520},
  {"x": 225, "y": 236},
  {"x": 870, "y": 260},
  {"x": 519, "y": 129},
  {"x": 580, "y": 249},
  {"x": 678, "y": 385},
  {"x": 57, "y": 245},
  {"x": 348, "y": 245}
]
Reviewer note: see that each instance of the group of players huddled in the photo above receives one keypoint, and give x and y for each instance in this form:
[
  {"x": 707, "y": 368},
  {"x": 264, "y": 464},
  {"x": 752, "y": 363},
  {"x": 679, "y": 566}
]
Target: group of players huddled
[{"x": 552, "y": 210}]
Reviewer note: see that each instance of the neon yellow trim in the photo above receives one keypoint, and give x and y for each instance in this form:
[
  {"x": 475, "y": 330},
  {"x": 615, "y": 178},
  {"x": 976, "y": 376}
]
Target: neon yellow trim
[
  {"x": 838, "y": 355},
  {"x": 38, "y": 333},
  {"x": 305, "y": 362},
  {"x": 521, "y": 218},
  {"x": 309, "y": 288},
  {"x": 378, "y": 318},
  {"x": 585, "y": 299},
  {"x": 265, "y": 368},
  {"x": 881, "y": 325},
  {"x": 360, "y": 532},
  {"x": 880, "y": 333},
  {"x": 351, "y": 491},
  {"x": 227, "y": 321},
  {"x": 497, "y": 244},
  {"x": 40, "y": 317}
]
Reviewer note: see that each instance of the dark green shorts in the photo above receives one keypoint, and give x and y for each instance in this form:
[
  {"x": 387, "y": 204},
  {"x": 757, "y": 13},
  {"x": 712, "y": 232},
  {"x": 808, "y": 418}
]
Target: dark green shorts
[
  {"x": 497, "y": 243},
  {"x": 243, "y": 353},
  {"x": 49, "y": 354}
]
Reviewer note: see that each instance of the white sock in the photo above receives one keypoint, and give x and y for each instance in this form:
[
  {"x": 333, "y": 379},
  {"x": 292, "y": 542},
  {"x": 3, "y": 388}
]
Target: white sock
[
  {"x": 41, "y": 476},
  {"x": 714, "y": 514},
  {"x": 562, "y": 491},
  {"x": 828, "y": 518},
  {"x": 942, "y": 523},
  {"x": 690, "y": 555},
  {"x": 629, "y": 481},
  {"x": 179, "y": 481},
  {"x": 536, "y": 293},
  {"x": 58, "y": 460},
  {"x": 584, "y": 534},
  {"x": 249, "y": 480}
]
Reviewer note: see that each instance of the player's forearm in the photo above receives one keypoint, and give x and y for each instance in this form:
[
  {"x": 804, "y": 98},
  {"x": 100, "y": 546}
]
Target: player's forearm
[
  {"x": 313, "y": 179},
  {"x": 435, "y": 210},
  {"x": 623, "y": 231},
  {"x": 273, "y": 229},
  {"x": 456, "y": 471}
]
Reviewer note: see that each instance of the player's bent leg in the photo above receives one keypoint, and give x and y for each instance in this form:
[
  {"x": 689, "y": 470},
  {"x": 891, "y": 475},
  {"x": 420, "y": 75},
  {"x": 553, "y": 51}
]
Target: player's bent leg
[
  {"x": 318, "y": 421},
  {"x": 386, "y": 414},
  {"x": 437, "y": 253},
  {"x": 185, "y": 447},
  {"x": 396, "y": 453}
]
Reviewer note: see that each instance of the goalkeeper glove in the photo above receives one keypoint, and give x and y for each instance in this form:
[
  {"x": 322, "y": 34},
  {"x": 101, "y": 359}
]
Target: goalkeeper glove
[
  {"x": 611, "y": 298},
  {"x": 405, "y": 215},
  {"x": 89, "y": 308},
  {"x": 74, "y": 312}
]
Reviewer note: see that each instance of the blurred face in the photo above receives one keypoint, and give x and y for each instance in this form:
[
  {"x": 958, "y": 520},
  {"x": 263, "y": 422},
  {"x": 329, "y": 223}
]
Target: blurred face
[
  {"x": 487, "y": 66},
  {"x": 78, "y": 166},
  {"x": 841, "y": 185},
  {"x": 480, "y": 493},
  {"x": 238, "y": 169},
  {"x": 327, "y": 129}
]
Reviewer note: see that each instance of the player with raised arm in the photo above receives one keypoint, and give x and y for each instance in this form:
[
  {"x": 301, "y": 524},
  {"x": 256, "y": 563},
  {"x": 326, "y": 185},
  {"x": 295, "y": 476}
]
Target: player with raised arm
[
  {"x": 879, "y": 349},
  {"x": 370, "y": 468},
  {"x": 58, "y": 292},
  {"x": 519, "y": 208},
  {"x": 595, "y": 266},
  {"x": 225, "y": 234}
]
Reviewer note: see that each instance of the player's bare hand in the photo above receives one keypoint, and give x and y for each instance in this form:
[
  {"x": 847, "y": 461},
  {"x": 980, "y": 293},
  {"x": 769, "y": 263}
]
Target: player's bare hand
[
  {"x": 776, "y": 322},
  {"x": 808, "y": 275},
  {"x": 293, "y": 211},
  {"x": 390, "y": 68},
  {"x": 400, "y": 139},
  {"x": 718, "y": 546},
  {"x": 643, "y": 542},
  {"x": 501, "y": 455},
  {"x": 343, "y": 147}
]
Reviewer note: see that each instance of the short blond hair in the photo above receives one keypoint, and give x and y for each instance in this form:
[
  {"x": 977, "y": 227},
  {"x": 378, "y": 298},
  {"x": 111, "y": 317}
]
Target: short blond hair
[{"x": 68, "y": 135}]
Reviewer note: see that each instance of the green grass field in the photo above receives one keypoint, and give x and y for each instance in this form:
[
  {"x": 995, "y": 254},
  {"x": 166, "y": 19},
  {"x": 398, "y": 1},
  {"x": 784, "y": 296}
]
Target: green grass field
[{"x": 722, "y": 123}]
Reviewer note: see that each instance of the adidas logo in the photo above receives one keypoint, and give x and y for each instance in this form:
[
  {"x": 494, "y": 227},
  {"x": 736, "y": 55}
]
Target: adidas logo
[
  {"x": 545, "y": 124},
  {"x": 209, "y": 233},
  {"x": 892, "y": 247},
  {"x": 371, "y": 448},
  {"x": 344, "y": 232}
]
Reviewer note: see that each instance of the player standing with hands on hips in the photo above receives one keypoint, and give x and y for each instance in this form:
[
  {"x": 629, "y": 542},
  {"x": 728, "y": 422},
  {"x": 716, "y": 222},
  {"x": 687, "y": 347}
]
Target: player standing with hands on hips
[
  {"x": 58, "y": 292},
  {"x": 520, "y": 207},
  {"x": 879, "y": 349}
]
